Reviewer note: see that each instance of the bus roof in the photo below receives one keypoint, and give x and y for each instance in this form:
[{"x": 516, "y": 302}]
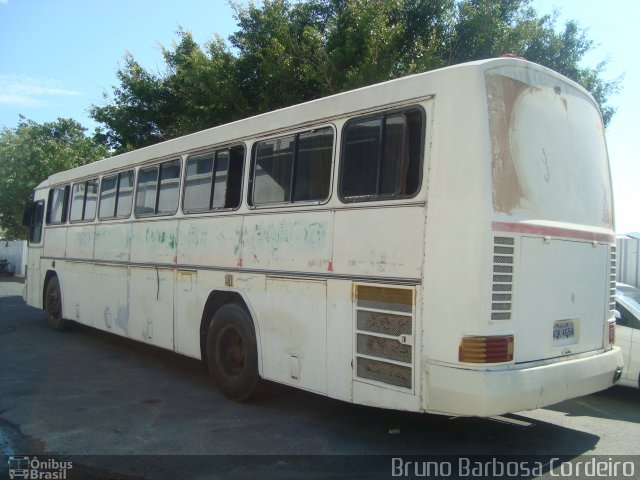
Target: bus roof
[{"x": 380, "y": 95}]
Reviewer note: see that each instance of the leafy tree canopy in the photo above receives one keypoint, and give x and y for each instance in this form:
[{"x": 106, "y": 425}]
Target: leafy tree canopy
[
  {"x": 30, "y": 153},
  {"x": 286, "y": 52}
]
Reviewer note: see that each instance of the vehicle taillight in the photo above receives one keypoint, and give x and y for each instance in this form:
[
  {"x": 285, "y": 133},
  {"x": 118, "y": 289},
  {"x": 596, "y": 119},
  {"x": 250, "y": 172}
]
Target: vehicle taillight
[
  {"x": 612, "y": 333},
  {"x": 492, "y": 349}
]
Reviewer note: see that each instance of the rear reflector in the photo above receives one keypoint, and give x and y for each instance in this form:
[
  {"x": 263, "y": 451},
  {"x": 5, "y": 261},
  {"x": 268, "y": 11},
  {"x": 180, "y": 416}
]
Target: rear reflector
[
  {"x": 486, "y": 349},
  {"x": 612, "y": 333}
]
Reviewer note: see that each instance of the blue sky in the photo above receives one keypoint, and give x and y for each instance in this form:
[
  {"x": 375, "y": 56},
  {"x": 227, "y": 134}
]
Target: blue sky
[{"x": 57, "y": 57}]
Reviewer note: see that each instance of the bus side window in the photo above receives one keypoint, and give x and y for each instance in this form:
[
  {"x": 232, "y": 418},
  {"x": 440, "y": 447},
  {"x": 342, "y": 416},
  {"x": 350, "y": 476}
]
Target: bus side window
[
  {"x": 116, "y": 196},
  {"x": 213, "y": 180},
  {"x": 382, "y": 156},
  {"x": 108, "y": 197},
  {"x": 84, "y": 197},
  {"x": 125, "y": 194},
  {"x": 158, "y": 189},
  {"x": 57, "y": 206},
  {"x": 36, "y": 217},
  {"x": 295, "y": 168}
]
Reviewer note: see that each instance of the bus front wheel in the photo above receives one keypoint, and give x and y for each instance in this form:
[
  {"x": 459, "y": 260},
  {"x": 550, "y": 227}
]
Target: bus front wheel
[
  {"x": 232, "y": 353},
  {"x": 53, "y": 305}
]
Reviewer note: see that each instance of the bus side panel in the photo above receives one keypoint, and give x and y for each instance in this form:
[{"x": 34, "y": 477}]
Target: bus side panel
[
  {"x": 112, "y": 242},
  {"x": 34, "y": 285},
  {"x": 210, "y": 241},
  {"x": 340, "y": 339},
  {"x": 154, "y": 242},
  {"x": 299, "y": 241},
  {"x": 80, "y": 241},
  {"x": 294, "y": 319},
  {"x": 151, "y": 305},
  {"x": 381, "y": 242},
  {"x": 56, "y": 242},
  {"x": 78, "y": 289},
  {"x": 110, "y": 299},
  {"x": 188, "y": 310}
]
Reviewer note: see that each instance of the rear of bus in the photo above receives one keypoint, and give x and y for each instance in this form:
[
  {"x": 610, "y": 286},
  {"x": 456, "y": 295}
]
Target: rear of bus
[{"x": 539, "y": 327}]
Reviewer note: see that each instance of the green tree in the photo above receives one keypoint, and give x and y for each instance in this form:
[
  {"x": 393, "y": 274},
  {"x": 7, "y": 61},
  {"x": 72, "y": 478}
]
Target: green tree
[
  {"x": 286, "y": 52},
  {"x": 30, "y": 153}
]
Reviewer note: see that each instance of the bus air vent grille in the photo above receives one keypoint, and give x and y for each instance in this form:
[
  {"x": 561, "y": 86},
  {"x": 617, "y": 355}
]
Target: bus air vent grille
[
  {"x": 390, "y": 374},
  {"x": 385, "y": 323},
  {"x": 612, "y": 279},
  {"x": 503, "y": 254},
  {"x": 384, "y": 335}
]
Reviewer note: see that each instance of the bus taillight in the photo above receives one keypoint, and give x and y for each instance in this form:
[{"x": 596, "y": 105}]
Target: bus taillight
[{"x": 493, "y": 349}]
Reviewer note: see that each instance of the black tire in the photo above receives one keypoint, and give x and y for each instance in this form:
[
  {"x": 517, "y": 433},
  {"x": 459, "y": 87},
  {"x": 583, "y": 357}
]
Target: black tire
[
  {"x": 53, "y": 305},
  {"x": 232, "y": 353}
]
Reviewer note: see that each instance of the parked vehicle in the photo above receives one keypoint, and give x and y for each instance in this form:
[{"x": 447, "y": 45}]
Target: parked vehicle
[{"x": 628, "y": 332}]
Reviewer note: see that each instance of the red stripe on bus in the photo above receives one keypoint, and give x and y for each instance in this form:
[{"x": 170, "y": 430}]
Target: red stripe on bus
[{"x": 553, "y": 231}]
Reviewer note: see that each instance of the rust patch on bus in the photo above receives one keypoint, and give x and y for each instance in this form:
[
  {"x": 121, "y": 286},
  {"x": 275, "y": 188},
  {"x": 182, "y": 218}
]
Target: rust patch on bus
[{"x": 502, "y": 95}]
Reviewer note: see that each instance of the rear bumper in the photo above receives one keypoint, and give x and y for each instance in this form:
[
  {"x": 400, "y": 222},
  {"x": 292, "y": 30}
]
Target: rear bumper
[{"x": 456, "y": 391}]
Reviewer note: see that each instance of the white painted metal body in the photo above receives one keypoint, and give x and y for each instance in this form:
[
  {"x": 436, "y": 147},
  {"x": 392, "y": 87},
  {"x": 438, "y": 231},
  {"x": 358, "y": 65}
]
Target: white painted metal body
[{"x": 303, "y": 269}]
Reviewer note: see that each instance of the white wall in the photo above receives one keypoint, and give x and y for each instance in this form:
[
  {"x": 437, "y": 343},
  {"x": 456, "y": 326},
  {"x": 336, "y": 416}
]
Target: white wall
[{"x": 15, "y": 252}]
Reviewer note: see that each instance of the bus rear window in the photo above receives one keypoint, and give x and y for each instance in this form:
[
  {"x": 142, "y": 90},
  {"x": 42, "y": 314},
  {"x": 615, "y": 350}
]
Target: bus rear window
[
  {"x": 549, "y": 157},
  {"x": 382, "y": 156}
]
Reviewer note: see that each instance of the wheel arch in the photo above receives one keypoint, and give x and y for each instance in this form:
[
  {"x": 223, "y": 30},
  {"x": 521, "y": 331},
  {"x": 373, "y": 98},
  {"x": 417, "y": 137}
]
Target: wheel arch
[{"x": 217, "y": 298}]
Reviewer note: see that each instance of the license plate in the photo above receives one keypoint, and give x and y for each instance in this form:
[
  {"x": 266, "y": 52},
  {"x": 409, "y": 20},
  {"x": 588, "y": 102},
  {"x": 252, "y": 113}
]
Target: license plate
[{"x": 563, "y": 331}]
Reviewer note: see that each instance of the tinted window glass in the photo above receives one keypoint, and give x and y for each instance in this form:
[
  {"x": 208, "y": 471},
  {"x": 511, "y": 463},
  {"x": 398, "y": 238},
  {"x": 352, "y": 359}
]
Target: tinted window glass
[
  {"x": 219, "y": 197},
  {"x": 146, "y": 192},
  {"x": 84, "y": 198},
  {"x": 77, "y": 202},
  {"x": 382, "y": 156},
  {"x": 361, "y": 154},
  {"x": 91, "y": 200},
  {"x": 35, "y": 228},
  {"x": 197, "y": 189},
  {"x": 58, "y": 205},
  {"x": 108, "y": 197},
  {"x": 125, "y": 194},
  {"x": 293, "y": 168},
  {"x": 116, "y": 196},
  {"x": 168, "y": 193},
  {"x": 273, "y": 165},
  {"x": 313, "y": 165}
]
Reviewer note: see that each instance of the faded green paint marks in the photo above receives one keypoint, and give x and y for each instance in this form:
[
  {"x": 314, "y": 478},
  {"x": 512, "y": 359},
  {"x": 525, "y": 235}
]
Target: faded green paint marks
[
  {"x": 298, "y": 235},
  {"x": 160, "y": 238}
]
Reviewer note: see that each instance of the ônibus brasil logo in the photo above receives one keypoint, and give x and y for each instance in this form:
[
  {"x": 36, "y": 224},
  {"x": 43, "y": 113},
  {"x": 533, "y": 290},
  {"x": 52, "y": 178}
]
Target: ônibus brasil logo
[{"x": 36, "y": 469}]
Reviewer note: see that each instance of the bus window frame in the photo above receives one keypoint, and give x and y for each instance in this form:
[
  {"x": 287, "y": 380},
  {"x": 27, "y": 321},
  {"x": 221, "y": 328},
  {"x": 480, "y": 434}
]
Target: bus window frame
[
  {"x": 383, "y": 114},
  {"x": 84, "y": 200},
  {"x": 32, "y": 223},
  {"x": 65, "y": 207},
  {"x": 116, "y": 174},
  {"x": 214, "y": 151},
  {"x": 158, "y": 166},
  {"x": 295, "y": 133}
]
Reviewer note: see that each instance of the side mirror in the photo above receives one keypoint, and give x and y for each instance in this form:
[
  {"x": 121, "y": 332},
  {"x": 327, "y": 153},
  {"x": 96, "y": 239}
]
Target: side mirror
[{"x": 617, "y": 315}]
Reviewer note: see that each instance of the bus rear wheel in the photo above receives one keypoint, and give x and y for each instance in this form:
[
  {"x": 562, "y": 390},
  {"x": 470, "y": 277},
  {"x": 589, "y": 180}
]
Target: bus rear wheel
[
  {"x": 232, "y": 353},
  {"x": 53, "y": 305}
]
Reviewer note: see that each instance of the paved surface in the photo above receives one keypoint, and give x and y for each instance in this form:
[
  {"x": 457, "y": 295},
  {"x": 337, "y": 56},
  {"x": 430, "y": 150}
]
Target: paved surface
[{"x": 86, "y": 392}]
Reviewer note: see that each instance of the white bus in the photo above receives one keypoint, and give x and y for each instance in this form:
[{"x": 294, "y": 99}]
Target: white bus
[{"x": 437, "y": 243}]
